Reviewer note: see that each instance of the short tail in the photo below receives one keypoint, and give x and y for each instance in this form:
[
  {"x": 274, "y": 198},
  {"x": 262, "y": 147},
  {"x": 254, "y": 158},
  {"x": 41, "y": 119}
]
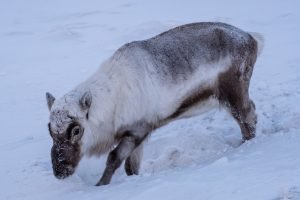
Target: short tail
[{"x": 260, "y": 41}]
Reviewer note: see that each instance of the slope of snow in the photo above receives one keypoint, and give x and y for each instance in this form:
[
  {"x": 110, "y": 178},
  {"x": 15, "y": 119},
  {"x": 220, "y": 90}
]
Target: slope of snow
[{"x": 54, "y": 45}]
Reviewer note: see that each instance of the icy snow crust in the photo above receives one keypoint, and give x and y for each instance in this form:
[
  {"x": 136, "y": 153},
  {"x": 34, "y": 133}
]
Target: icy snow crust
[{"x": 54, "y": 45}]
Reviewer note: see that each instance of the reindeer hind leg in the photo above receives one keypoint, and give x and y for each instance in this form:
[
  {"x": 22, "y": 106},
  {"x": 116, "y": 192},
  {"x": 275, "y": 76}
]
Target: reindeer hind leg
[{"x": 234, "y": 96}]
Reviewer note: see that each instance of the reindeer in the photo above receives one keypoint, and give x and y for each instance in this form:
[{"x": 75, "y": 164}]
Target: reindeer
[{"x": 146, "y": 84}]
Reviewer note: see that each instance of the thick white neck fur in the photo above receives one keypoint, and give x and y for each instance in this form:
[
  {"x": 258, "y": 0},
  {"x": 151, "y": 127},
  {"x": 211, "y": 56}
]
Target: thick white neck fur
[{"x": 104, "y": 86}]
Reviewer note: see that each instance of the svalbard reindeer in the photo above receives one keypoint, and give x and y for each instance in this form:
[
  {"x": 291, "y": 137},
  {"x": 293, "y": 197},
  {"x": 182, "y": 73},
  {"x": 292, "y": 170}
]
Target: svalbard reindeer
[{"x": 146, "y": 84}]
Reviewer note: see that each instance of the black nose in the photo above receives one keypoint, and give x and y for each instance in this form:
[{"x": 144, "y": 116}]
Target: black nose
[
  {"x": 60, "y": 175},
  {"x": 62, "y": 172}
]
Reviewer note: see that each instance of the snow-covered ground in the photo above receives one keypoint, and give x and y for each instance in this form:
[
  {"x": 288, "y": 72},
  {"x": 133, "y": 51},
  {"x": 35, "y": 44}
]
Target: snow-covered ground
[{"x": 53, "y": 45}]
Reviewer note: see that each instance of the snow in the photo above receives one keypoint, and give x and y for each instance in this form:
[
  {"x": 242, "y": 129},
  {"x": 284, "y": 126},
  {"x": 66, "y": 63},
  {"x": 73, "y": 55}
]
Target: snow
[{"x": 54, "y": 45}]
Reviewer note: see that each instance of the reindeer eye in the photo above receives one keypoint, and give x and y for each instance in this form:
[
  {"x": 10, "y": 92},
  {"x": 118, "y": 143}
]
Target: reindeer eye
[{"x": 75, "y": 131}]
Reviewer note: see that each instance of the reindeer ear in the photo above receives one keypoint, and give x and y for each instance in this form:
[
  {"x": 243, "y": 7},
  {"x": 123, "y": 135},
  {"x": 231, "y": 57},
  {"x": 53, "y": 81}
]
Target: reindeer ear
[
  {"x": 50, "y": 100},
  {"x": 86, "y": 100}
]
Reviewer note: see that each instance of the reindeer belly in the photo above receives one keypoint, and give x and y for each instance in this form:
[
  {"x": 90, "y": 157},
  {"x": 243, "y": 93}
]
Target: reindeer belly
[
  {"x": 196, "y": 103},
  {"x": 199, "y": 108}
]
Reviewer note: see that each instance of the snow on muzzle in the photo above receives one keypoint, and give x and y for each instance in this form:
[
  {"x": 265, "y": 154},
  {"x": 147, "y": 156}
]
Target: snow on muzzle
[{"x": 65, "y": 157}]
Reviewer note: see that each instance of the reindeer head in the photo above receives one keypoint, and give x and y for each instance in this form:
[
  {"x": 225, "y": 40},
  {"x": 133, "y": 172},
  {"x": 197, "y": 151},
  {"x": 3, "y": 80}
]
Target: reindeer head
[{"x": 68, "y": 117}]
